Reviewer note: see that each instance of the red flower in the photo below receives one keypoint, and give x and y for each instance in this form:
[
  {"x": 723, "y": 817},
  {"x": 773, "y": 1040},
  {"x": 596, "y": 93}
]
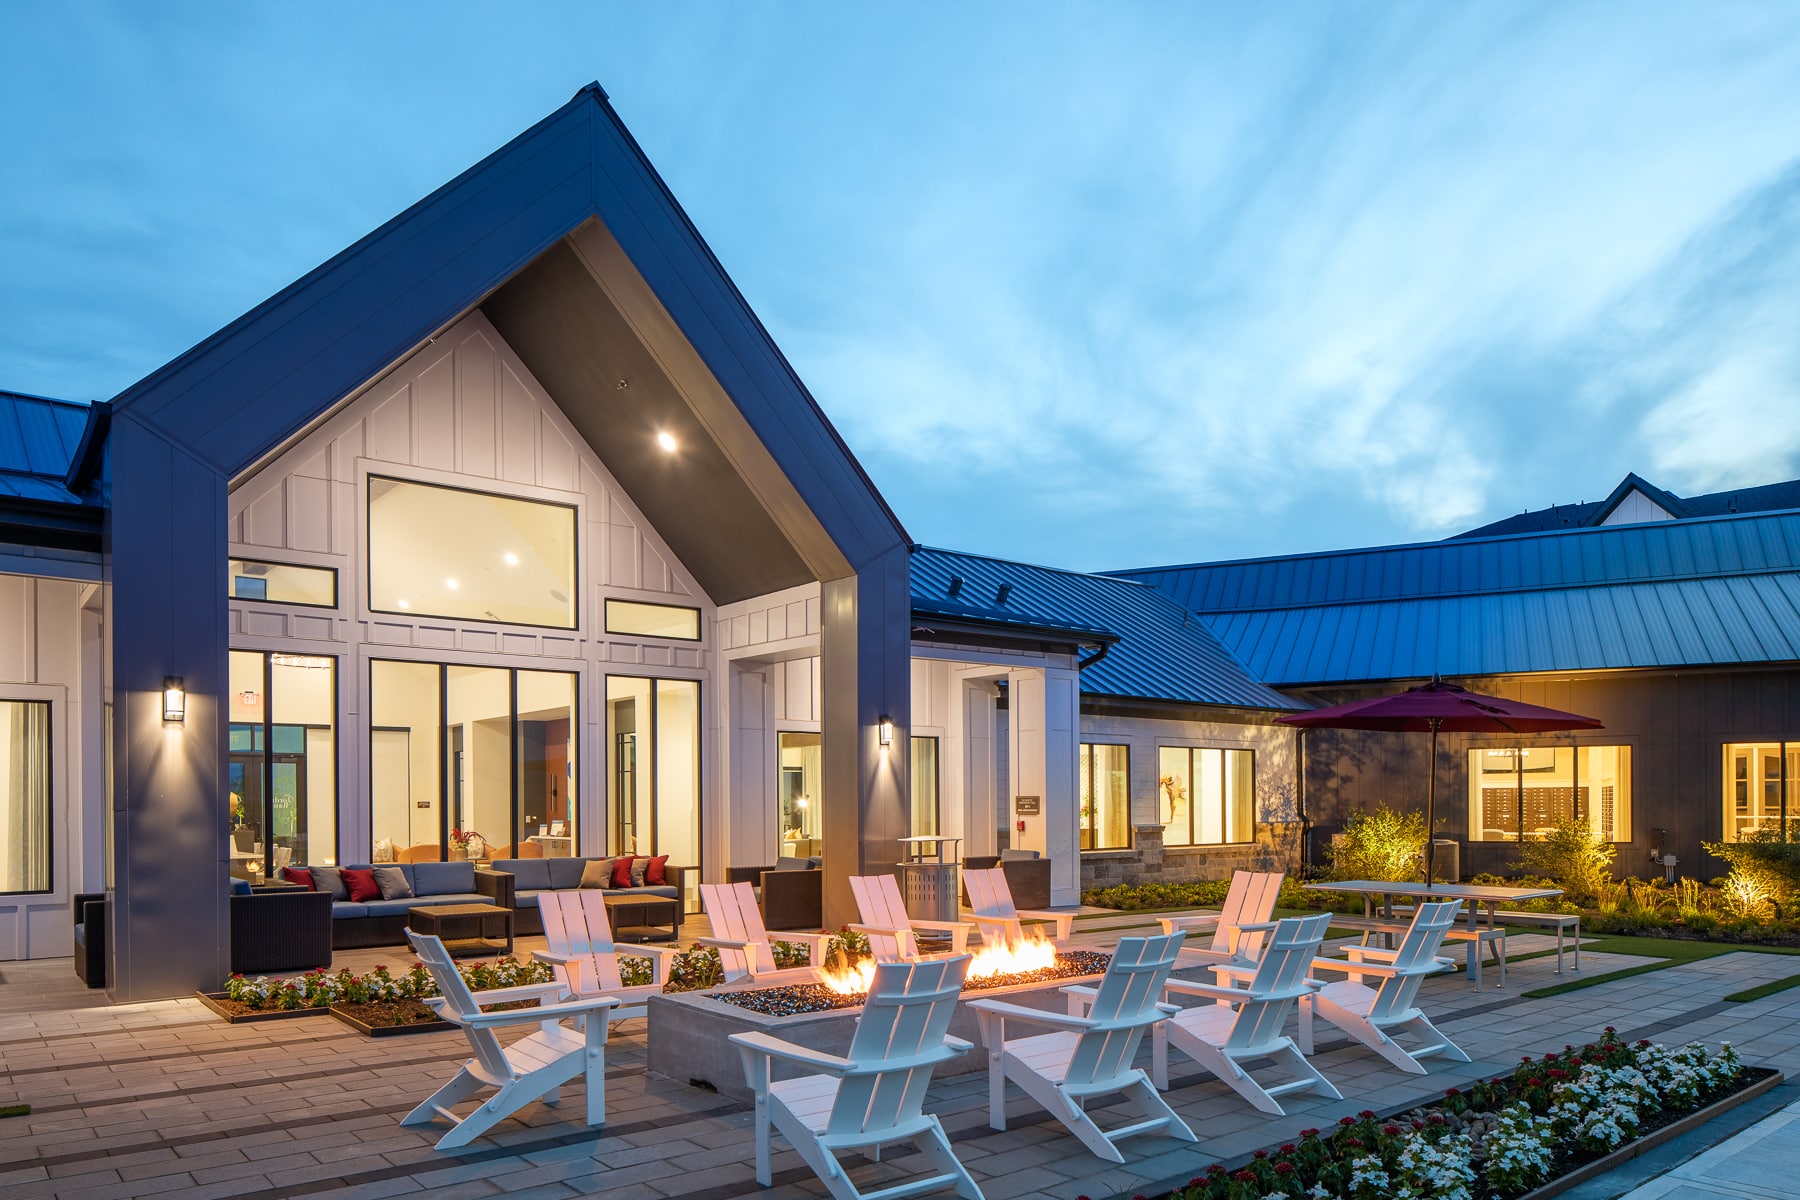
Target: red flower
[
  {"x": 1455, "y": 1092},
  {"x": 1245, "y": 1176},
  {"x": 1284, "y": 1168},
  {"x": 1390, "y": 1130},
  {"x": 1610, "y": 1029},
  {"x": 1346, "y": 1120},
  {"x": 1305, "y": 1133},
  {"x": 1366, "y": 1114},
  {"x": 1260, "y": 1154},
  {"x": 1288, "y": 1147},
  {"x": 1356, "y": 1143}
]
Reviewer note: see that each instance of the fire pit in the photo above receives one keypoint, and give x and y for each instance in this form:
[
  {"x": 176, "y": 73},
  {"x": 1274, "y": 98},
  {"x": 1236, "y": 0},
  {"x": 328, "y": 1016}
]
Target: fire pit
[{"x": 689, "y": 1031}]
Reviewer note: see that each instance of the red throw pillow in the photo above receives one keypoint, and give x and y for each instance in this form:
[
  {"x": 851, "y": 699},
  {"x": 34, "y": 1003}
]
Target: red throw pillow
[
  {"x": 655, "y": 874},
  {"x": 301, "y": 876},
  {"x": 622, "y": 871},
  {"x": 362, "y": 885}
]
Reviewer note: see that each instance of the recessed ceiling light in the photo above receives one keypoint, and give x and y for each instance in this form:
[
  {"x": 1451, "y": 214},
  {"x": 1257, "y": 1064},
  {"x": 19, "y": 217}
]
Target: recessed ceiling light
[
  {"x": 403, "y": 604},
  {"x": 512, "y": 560},
  {"x": 666, "y": 440},
  {"x": 452, "y": 584}
]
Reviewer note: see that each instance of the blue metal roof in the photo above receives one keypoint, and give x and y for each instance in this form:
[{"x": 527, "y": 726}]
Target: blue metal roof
[
  {"x": 1161, "y": 652},
  {"x": 1769, "y": 497},
  {"x": 1692, "y": 592},
  {"x": 38, "y": 438}
]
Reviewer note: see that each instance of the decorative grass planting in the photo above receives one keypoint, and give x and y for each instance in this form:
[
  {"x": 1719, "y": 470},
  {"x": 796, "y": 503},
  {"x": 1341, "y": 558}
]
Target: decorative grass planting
[
  {"x": 1500, "y": 1138},
  {"x": 14, "y": 1110}
]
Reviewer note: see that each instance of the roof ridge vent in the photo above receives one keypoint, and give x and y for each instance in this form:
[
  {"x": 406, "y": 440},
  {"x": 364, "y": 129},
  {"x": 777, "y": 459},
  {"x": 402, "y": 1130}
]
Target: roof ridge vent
[
  {"x": 1004, "y": 591},
  {"x": 955, "y": 588}
]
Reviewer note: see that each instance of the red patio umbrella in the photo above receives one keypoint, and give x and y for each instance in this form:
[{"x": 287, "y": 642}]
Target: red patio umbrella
[{"x": 1434, "y": 706}]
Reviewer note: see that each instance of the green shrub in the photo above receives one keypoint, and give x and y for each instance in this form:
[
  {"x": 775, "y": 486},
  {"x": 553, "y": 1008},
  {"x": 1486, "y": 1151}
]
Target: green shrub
[
  {"x": 1204, "y": 893},
  {"x": 1763, "y": 863},
  {"x": 1383, "y": 845},
  {"x": 1574, "y": 856}
]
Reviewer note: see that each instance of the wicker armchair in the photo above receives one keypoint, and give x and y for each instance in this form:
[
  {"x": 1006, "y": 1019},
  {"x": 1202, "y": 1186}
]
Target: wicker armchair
[
  {"x": 90, "y": 938},
  {"x": 791, "y": 900},
  {"x": 285, "y": 930}
]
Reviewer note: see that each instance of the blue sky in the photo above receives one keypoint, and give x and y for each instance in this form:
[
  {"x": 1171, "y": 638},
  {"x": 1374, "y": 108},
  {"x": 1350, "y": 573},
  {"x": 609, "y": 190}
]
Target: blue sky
[{"x": 1097, "y": 286}]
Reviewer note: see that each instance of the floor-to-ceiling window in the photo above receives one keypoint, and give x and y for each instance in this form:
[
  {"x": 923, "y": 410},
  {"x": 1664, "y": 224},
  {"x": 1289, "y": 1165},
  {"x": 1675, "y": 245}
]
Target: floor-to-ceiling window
[
  {"x": 1760, "y": 784},
  {"x": 24, "y": 796},
  {"x": 653, "y": 792},
  {"x": 1207, "y": 795},
  {"x": 1106, "y": 796},
  {"x": 798, "y": 787},
  {"x": 472, "y": 761},
  {"x": 924, "y": 786},
  {"x": 282, "y": 765},
  {"x": 1519, "y": 792}
]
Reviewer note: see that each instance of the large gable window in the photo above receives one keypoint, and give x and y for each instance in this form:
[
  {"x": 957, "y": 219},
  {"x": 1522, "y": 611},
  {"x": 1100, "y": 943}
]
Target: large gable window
[{"x": 472, "y": 556}]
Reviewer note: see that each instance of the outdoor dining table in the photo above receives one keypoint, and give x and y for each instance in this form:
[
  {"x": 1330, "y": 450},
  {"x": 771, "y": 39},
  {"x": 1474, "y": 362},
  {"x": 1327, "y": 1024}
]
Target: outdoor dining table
[{"x": 1474, "y": 895}]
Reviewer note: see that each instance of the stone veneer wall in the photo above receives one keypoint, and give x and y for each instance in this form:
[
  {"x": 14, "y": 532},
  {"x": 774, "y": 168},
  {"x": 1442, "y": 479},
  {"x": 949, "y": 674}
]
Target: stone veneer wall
[{"x": 1276, "y": 848}]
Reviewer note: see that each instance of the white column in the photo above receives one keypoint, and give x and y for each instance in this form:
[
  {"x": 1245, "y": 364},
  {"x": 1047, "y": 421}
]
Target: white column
[{"x": 1062, "y": 766}]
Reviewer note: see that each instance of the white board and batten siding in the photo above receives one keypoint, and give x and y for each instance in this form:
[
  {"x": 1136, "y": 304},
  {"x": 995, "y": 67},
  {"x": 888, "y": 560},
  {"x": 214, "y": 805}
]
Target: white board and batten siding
[
  {"x": 41, "y": 659},
  {"x": 462, "y": 411}
]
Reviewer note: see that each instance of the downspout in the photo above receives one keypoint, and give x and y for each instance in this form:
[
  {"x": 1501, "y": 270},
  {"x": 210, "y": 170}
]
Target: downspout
[
  {"x": 1095, "y": 657},
  {"x": 1300, "y": 802}
]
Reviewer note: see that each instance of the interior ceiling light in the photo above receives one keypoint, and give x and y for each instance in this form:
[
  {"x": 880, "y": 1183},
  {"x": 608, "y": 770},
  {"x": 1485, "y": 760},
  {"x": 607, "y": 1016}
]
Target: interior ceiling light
[
  {"x": 452, "y": 584},
  {"x": 512, "y": 560},
  {"x": 666, "y": 440}
]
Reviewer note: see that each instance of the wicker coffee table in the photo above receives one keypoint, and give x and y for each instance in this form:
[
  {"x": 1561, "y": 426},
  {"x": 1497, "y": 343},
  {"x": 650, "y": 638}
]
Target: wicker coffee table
[
  {"x": 644, "y": 918},
  {"x": 465, "y": 928}
]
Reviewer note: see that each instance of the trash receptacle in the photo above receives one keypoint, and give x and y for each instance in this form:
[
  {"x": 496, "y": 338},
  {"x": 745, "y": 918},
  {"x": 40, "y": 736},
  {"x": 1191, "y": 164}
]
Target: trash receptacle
[
  {"x": 930, "y": 889},
  {"x": 1448, "y": 867}
]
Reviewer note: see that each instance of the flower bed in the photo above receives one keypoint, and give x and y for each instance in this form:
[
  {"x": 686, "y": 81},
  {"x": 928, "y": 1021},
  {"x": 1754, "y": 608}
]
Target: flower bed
[
  {"x": 1500, "y": 1138},
  {"x": 376, "y": 1001}
]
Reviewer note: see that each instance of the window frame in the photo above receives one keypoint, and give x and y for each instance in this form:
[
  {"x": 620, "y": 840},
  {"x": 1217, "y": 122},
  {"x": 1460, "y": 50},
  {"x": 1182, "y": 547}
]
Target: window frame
[
  {"x": 1576, "y": 748},
  {"x": 1190, "y": 751},
  {"x": 700, "y": 764},
  {"x": 606, "y": 624},
  {"x": 267, "y": 754},
  {"x": 231, "y": 596},
  {"x": 50, "y": 794},
  {"x": 937, "y": 784},
  {"x": 1784, "y": 746},
  {"x": 366, "y": 551},
  {"x": 1130, "y": 826}
]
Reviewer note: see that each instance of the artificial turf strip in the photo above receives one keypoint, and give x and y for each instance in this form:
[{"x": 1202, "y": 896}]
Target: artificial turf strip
[
  {"x": 15, "y": 1110},
  {"x": 1764, "y": 989},
  {"x": 1673, "y": 952}
]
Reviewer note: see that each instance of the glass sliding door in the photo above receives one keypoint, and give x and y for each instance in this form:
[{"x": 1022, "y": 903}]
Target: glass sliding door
[
  {"x": 486, "y": 751},
  {"x": 546, "y": 757},
  {"x": 653, "y": 791},
  {"x": 406, "y": 721},
  {"x": 281, "y": 771},
  {"x": 799, "y": 793},
  {"x": 24, "y": 796},
  {"x": 924, "y": 786},
  {"x": 478, "y": 759}
]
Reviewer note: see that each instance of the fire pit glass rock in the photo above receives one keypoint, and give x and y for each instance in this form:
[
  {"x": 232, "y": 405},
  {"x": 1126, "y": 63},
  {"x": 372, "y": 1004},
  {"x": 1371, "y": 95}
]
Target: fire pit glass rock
[{"x": 794, "y": 999}]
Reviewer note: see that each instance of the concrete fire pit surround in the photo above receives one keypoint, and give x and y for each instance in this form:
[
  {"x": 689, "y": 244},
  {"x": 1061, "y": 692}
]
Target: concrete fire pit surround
[{"x": 689, "y": 1032}]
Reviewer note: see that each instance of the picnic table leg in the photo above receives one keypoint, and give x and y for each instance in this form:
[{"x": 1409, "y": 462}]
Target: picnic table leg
[{"x": 1472, "y": 959}]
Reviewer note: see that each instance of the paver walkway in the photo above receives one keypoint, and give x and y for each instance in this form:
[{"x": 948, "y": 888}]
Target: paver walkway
[
  {"x": 1757, "y": 1164},
  {"x": 141, "y": 1100}
]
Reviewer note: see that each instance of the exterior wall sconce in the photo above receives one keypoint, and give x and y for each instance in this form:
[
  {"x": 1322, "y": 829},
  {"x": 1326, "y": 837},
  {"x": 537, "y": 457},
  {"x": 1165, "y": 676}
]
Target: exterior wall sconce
[
  {"x": 887, "y": 730},
  {"x": 174, "y": 699}
]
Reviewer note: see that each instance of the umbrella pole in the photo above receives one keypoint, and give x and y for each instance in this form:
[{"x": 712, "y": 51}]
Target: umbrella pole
[{"x": 1431, "y": 809}]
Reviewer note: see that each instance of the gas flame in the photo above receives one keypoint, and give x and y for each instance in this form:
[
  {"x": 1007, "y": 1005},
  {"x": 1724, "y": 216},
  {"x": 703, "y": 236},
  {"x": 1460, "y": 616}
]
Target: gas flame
[{"x": 1033, "y": 952}]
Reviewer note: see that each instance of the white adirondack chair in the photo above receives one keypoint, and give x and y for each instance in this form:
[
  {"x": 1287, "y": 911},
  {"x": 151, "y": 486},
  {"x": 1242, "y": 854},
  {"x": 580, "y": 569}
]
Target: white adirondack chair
[
  {"x": 1248, "y": 1025},
  {"x": 1373, "y": 1015},
  {"x": 991, "y": 902},
  {"x": 1089, "y": 1056},
  {"x": 874, "y": 1093},
  {"x": 1237, "y": 928},
  {"x": 584, "y": 957},
  {"x": 743, "y": 941},
  {"x": 890, "y": 930},
  {"x": 536, "y": 1066}
]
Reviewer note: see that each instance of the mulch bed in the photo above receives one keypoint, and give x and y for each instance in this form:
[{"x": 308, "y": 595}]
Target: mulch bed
[
  {"x": 794, "y": 999},
  {"x": 237, "y": 1012},
  {"x": 383, "y": 1018}
]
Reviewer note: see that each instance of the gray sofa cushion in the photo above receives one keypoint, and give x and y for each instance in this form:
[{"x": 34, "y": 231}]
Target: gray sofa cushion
[
  {"x": 389, "y": 908},
  {"x": 793, "y": 864},
  {"x": 327, "y": 879},
  {"x": 443, "y": 879},
  {"x": 344, "y": 909},
  {"x": 529, "y": 874},
  {"x": 393, "y": 883},
  {"x": 526, "y": 899},
  {"x": 565, "y": 873}
]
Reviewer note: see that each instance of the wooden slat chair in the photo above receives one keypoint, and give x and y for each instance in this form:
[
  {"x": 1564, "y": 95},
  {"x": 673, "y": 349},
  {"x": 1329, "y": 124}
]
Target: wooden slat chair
[
  {"x": 742, "y": 940},
  {"x": 1238, "y": 928},
  {"x": 586, "y": 961},
  {"x": 874, "y": 1094},
  {"x": 1089, "y": 1056},
  {"x": 534, "y": 1067},
  {"x": 1248, "y": 1025},
  {"x": 890, "y": 930},
  {"x": 991, "y": 902},
  {"x": 1373, "y": 1015}
]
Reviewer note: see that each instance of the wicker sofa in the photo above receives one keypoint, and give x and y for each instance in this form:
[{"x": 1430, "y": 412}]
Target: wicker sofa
[
  {"x": 791, "y": 894},
  {"x": 383, "y": 922},
  {"x": 526, "y": 877}
]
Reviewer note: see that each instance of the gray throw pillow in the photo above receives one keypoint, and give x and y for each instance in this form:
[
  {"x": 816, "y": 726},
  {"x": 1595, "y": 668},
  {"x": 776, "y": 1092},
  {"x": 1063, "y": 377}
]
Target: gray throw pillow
[
  {"x": 392, "y": 882},
  {"x": 597, "y": 873},
  {"x": 327, "y": 879},
  {"x": 639, "y": 867}
]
